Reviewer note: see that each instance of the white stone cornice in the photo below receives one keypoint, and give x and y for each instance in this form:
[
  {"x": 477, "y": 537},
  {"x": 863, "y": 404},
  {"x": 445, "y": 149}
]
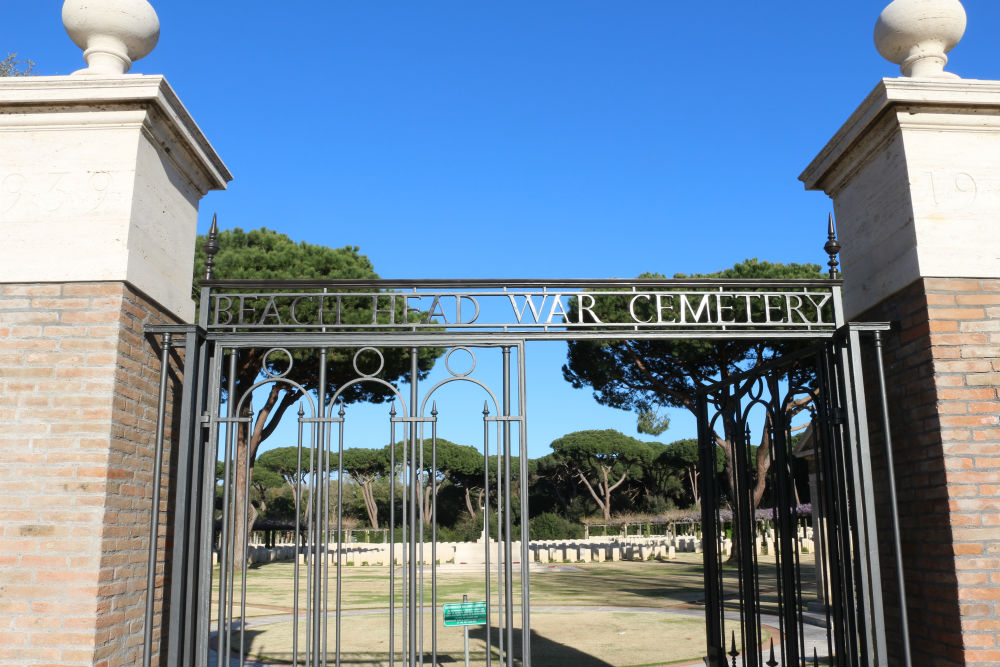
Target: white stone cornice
[
  {"x": 21, "y": 96},
  {"x": 914, "y": 175},
  {"x": 100, "y": 180},
  {"x": 827, "y": 170}
]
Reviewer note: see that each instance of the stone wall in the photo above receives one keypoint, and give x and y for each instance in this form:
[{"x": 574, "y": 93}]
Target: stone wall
[
  {"x": 78, "y": 387},
  {"x": 943, "y": 374}
]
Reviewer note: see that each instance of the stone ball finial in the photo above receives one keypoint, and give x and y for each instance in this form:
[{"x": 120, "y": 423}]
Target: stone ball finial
[
  {"x": 916, "y": 35},
  {"x": 113, "y": 33}
]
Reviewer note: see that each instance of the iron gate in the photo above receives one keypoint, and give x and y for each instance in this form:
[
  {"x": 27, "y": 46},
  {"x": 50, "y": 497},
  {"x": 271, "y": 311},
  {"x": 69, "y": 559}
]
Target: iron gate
[
  {"x": 849, "y": 628},
  {"x": 274, "y": 321}
]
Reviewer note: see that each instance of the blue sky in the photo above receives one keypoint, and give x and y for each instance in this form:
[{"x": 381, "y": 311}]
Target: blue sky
[{"x": 521, "y": 139}]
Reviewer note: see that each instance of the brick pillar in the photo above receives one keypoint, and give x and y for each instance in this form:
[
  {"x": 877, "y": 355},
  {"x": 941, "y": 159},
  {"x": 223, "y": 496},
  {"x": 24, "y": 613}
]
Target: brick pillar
[
  {"x": 91, "y": 261},
  {"x": 915, "y": 179},
  {"x": 78, "y": 382}
]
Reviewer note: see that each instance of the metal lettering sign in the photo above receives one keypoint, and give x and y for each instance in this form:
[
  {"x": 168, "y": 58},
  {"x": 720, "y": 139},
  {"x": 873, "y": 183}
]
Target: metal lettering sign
[
  {"x": 464, "y": 613},
  {"x": 503, "y": 306}
]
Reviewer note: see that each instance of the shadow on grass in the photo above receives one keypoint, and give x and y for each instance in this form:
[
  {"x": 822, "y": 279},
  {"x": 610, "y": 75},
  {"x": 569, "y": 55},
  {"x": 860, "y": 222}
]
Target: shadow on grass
[{"x": 544, "y": 651}]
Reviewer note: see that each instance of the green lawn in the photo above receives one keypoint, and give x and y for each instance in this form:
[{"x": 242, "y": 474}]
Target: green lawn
[{"x": 584, "y": 615}]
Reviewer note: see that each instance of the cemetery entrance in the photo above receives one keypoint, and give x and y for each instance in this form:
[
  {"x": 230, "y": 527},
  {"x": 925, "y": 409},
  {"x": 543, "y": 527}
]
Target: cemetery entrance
[{"x": 313, "y": 351}]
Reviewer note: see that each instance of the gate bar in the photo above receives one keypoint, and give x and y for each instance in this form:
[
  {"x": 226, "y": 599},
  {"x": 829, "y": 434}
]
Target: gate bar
[
  {"x": 183, "y": 569},
  {"x": 154, "y": 508},
  {"x": 526, "y": 559},
  {"x": 709, "y": 526},
  {"x": 867, "y": 529},
  {"x": 508, "y": 570},
  {"x": 209, "y": 458},
  {"x": 893, "y": 515},
  {"x": 413, "y": 518}
]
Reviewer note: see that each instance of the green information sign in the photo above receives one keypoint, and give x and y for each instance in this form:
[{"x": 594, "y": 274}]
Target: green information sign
[{"x": 465, "y": 613}]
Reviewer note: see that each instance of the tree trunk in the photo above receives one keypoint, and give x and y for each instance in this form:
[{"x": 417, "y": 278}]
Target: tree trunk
[
  {"x": 368, "y": 494},
  {"x": 606, "y": 491},
  {"x": 693, "y": 479},
  {"x": 242, "y": 512},
  {"x": 468, "y": 502},
  {"x": 427, "y": 504},
  {"x": 247, "y": 443},
  {"x": 600, "y": 503}
]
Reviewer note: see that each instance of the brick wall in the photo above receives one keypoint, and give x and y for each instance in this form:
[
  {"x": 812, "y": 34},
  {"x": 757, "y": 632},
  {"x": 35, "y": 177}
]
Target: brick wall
[
  {"x": 943, "y": 376},
  {"x": 78, "y": 385}
]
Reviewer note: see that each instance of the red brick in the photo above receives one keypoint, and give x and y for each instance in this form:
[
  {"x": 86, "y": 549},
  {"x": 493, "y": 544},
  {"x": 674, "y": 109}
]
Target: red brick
[
  {"x": 967, "y": 549},
  {"x": 983, "y": 298},
  {"x": 93, "y": 289},
  {"x": 965, "y": 520},
  {"x": 981, "y": 623},
  {"x": 959, "y": 339},
  {"x": 952, "y": 285},
  {"x": 69, "y": 442},
  {"x": 32, "y": 290},
  {"x": 8, "y": 303},
  {"x": 940, "y": 299},
  {"x": 105, "y": 316},
  {"x": 28, "y": 316},
  {"x": 943, "y": 326},
  {"x": 978, "y": 640},
  {"x": 984, "y": 352},
  {"x": 957, "y": 314},
  {"x": 982, "y": 656},
  {"x": 973, "y": 610},
  {"x": 948, "y": 421},
  {"x": 963, "y": 366}
]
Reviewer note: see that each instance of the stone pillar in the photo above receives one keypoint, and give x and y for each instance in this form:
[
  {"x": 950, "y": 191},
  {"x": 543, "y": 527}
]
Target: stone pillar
[
  {"x": 100, "y": 180},
  {"x": 915, "y": 179}
]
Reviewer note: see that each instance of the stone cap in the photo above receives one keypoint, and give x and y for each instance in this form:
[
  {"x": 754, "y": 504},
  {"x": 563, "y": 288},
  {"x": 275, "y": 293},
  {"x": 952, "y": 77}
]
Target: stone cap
[
  {"x": 914, "y": 175},
  {"x": 825, "y": 172},
  {"x": 102, "y": 178},
  {"x": 96, "y": 91}
]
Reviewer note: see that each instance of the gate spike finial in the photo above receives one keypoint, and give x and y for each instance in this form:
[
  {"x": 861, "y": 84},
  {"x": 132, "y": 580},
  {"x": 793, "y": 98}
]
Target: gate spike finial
[
  {"x": 771, "y": 662},
  {"x": 486, "y": 408},
  {"x": 211, "y": 247},
  {"x": 733, "y": 652},
  {"x": 832, "y": 248}
]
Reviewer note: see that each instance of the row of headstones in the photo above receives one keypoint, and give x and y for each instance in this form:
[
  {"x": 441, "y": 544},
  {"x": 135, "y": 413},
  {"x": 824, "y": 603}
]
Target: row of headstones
[
  {"x": 586, "y": 553},
  {"x": 549, "y": 551},
  {"x": 801, "y": 532},
  {"x": 770, "y": 546}
]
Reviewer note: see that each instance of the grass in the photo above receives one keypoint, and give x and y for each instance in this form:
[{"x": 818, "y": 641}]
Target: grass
[
  {"x": 566, "y": 638},
  {"x": 585, "y": 615}
]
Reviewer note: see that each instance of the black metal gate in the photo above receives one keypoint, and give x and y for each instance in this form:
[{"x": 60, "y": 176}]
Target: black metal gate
[
  {"x": 274, "y": 322},
  {"x": 834, "y": 614}
]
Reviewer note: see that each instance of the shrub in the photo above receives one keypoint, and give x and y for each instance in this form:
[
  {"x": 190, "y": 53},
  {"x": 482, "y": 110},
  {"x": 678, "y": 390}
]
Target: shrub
[{"x": 551, "y": 526}]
